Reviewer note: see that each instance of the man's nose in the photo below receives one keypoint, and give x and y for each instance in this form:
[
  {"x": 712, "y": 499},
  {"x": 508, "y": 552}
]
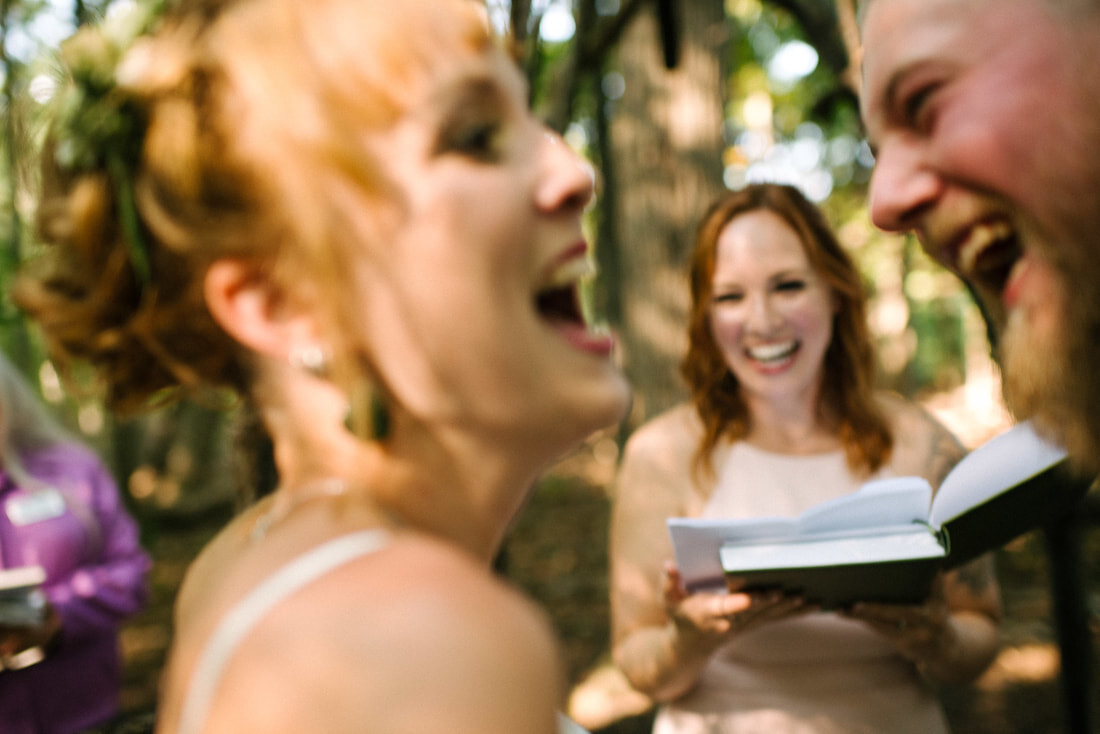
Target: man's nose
[{"x": 903, "y": 186}]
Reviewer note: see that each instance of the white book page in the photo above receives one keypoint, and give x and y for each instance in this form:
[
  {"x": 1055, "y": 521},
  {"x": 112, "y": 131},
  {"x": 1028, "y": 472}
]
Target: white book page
[
  {"x": 905, "y": 544},
  {"x": 696, "y": 541},
  {"x": 1002, "y": 462},
  {"x": 877, "y": 504},
  {"x": 21, "y": 578}
]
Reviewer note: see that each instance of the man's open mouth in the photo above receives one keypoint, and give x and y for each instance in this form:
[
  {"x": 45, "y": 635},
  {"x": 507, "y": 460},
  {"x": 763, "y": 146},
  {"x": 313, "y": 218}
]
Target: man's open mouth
[{"x": 986, "y": 255}]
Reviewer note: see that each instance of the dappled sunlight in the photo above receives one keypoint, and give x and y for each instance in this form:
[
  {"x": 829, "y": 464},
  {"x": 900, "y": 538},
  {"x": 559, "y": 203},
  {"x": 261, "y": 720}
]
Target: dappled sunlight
[
  {"x": 1024, "y": 664},
  {"x": 604, "y": 696},
  {"x": 792, "y": 61},
  {"x": 664, "y": 327},
  {"x": 143, "y": 483},
  {"x": 162, "y": 490},
  {"x": 595, "y": 462},
  {"x": 974, "y": 411},
  {"x": 695, "y": 121},
  {"x": 661, "y": 318}
]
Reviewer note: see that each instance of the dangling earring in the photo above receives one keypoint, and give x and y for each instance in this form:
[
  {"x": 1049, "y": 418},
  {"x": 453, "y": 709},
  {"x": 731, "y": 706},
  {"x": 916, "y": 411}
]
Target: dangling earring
[
  {"x": 368, "y": 415},
  {"x": 379, "y": 416},
  {"x": 312, "y": 358}
]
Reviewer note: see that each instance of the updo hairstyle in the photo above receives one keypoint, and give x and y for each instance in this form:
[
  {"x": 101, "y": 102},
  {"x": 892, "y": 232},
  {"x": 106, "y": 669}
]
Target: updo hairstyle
[{"x": 251, "y": 126}]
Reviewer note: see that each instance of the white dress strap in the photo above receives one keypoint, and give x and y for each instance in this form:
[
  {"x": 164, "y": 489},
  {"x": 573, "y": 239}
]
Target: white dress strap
[
  {"x": 568, "y": 726},
  {"x": 247, "y": 613}
]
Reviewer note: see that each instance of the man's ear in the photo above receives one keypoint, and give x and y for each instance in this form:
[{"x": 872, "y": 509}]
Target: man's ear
[{"x": 252, "y": 308}]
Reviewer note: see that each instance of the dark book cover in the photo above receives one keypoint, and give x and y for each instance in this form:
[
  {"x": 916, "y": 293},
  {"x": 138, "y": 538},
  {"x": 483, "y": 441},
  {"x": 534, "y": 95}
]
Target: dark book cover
[
  {"x": 1052, "y": 493},
  {"x": 839, "y": 552},
  {"x": 892, "y": 582}
]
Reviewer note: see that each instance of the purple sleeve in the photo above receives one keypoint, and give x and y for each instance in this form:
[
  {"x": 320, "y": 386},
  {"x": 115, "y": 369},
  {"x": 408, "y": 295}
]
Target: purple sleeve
[{"x": 110, "y": 584}]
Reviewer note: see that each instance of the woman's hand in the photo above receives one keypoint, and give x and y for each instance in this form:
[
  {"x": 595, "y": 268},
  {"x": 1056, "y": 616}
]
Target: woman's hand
[
  {"x": 919, "y": 632},
  {"x": 17, "y": 639},
  {"x": 953, "y": 635},
  {"x": 713, "y": 617},
  {"x": 665, "y": 661}
]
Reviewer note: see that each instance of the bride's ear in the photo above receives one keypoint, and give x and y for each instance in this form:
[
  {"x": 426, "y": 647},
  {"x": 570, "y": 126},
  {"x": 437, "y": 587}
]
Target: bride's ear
[{"x": 253, "y": 309}]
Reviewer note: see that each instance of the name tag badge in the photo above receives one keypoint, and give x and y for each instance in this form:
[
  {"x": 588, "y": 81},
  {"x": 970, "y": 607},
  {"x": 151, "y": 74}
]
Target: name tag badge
[{"x": 44, "y": 504}]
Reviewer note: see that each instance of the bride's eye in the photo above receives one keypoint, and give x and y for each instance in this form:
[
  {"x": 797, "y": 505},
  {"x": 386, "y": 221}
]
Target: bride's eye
[
  {"x": 478, "y": 140},
  {"x": 475, "y": 122}
]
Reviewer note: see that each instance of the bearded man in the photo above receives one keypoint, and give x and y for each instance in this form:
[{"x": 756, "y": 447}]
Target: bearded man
[{"x": 985, "y": 120}]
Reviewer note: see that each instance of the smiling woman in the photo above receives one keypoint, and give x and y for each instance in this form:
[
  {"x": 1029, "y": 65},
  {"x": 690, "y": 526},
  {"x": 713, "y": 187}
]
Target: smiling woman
[
  {"x": 783, "y": 415},
  {"x": 338, "y": 210}
]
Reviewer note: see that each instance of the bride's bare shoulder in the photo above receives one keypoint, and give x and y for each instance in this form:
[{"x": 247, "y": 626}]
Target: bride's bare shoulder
[{"x": 415, "y": 636}]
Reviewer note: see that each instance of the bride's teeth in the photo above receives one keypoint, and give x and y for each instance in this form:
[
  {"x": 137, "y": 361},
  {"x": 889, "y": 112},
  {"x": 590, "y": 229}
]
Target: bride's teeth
[
  {"x": 575, "y": 270},
  {"x": 980, "y": 237}
]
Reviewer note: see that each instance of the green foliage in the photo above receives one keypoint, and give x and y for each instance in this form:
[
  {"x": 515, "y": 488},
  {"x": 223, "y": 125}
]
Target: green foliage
[
  {"x": 918, "y": 310},
  {"x": 773, "y": 126}
]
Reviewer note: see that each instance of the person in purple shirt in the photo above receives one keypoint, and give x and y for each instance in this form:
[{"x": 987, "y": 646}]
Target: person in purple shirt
[{"x": 60, "y": 510}]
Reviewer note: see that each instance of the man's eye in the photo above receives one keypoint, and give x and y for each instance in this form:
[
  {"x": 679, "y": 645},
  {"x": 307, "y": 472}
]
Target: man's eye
[{"x": 916, "y": 109}]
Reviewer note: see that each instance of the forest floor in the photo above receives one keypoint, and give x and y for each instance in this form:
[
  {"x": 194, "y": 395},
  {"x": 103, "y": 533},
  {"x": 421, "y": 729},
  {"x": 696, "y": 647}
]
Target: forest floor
[{"x": 557, "y": 553}]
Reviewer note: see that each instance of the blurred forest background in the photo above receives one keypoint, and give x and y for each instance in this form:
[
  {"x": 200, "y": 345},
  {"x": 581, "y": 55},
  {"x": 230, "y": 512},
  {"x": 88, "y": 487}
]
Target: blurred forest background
[{"x": 672, "y": 101}]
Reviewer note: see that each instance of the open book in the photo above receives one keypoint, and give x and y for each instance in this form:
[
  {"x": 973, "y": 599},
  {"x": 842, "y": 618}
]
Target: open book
[
  {"x": 888, "y": 540},
  {"x": 22, "y": 603}
]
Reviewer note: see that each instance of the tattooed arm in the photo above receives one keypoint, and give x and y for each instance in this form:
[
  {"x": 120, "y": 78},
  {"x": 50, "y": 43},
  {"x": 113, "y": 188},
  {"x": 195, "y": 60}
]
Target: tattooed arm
[{"x": 954, "y": 635}]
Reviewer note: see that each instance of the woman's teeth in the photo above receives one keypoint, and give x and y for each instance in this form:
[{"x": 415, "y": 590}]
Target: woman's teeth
[
  {"x": 773, "y": 352},
  {"x": 559, "y": 299}
]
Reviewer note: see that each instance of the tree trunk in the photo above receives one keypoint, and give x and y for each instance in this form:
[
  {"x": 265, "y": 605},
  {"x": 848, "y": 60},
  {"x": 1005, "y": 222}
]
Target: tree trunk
[{"x": 666, "y": 144}]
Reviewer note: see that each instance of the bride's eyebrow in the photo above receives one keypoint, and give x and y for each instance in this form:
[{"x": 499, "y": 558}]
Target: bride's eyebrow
[
  {"x": 480, "y": 81},
  {"x": 475, "y": 89},
  {"x": 472, "y": 97}
]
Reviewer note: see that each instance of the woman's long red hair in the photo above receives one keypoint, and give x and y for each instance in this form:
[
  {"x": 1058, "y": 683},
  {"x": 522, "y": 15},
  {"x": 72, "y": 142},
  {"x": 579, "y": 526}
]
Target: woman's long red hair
[{"x": 847, "y": 391}]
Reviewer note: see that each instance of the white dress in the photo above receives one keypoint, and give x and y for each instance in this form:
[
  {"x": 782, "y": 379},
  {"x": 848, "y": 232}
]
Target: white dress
[{"x": 815, "y": 674}]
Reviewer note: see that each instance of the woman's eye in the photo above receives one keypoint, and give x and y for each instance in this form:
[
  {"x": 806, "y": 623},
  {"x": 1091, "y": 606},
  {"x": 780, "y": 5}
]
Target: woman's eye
[
  {"x": 477, "y": 140},
  {"x": 728, "y": 297},
  {"x": 790, "y": 286}
]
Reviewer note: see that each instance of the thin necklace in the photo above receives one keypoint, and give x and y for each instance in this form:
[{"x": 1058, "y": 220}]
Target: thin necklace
[{"x": 317, "y": 489}]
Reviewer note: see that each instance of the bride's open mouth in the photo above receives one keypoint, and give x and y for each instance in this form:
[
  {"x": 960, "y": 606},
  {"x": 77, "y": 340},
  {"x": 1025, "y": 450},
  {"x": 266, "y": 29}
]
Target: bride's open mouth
[{"x": 560, "y": 305}]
